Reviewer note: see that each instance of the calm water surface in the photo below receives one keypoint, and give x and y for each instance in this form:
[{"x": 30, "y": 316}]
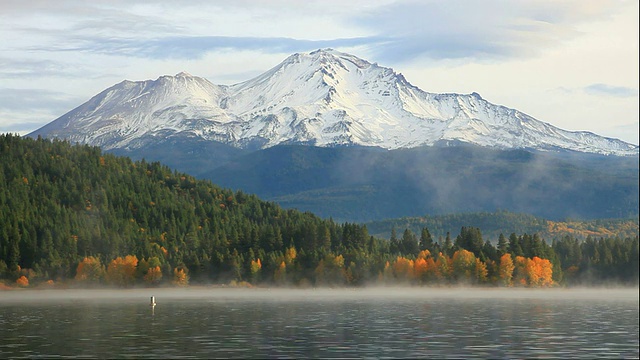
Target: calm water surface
[{"x": 370, "y": 323}]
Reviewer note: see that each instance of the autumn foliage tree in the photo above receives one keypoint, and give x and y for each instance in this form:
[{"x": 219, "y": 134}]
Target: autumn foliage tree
[
  {"x": 62, "y": 203},
  {"x": 539, "y": 272},
  {"x": 444, "y": 267},
  {"x": 153, "y": 275},
  {"x": 331, "y": 270},
  {"x": 180, "y": 277},
  {"x": 534, "y": 272},
  {"x": 464, "y": 264},
  {"x": 255, "y": 268},
  {"x": 90, "y": 270},
  {"x": 122, "y": 271},
  {"x": 480, "y": 271},
  {"x": 22, "y": 281},
  {"x": 425, "y": 268},
  {"x": 403, "y": 269},
  {"x": 505, "y": 270},
  {"x": 150, "y": 271},
  {"x": 420, "y": 269}
]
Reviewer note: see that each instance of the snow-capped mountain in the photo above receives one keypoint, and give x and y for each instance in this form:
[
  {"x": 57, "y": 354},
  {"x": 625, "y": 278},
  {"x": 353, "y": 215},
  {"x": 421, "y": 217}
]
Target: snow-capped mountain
[{"x": 322, "y": 98}]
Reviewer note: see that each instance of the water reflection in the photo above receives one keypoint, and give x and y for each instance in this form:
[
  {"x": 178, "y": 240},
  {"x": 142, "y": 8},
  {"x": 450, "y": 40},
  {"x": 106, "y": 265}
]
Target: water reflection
[{"x": 257, "y": 324}]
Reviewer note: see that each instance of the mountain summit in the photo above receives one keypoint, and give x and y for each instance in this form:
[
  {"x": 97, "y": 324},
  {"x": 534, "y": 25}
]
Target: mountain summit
[{"x": 324, "y": 98}]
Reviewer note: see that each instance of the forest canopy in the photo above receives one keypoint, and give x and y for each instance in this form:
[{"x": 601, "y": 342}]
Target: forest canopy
[{"x": 73, "y": 214}]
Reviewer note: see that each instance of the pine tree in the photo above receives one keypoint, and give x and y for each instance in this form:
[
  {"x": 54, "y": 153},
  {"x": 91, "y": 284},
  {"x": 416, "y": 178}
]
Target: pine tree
[
  {"x": 426, "y": 241},
  {"x": 502, "y": 244},
  {"x": 394, "y": 242},
  {"x": 447, "y": 248},
  {"x": 409, "y": 244}
]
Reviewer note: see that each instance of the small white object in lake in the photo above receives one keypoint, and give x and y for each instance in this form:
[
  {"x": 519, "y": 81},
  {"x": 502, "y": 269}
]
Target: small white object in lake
[{"x": 153, "y": 301}]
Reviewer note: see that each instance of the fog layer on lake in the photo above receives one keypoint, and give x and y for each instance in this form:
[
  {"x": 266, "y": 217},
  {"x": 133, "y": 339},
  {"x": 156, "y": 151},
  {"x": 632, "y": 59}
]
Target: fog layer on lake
[{"x": 317, "y": 294}]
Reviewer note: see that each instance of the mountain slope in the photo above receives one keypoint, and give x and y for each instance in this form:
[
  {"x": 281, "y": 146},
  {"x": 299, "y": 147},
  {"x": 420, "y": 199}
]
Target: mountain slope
[
  {"x": 324, "y": 98},
  {"x": 60, "y": 203},
  {"x": 364, "y": 184}
]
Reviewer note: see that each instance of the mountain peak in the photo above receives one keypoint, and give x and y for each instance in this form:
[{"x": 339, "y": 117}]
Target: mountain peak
[
  {"x": 331, "y": 55},
  {"x": 324, "y": 97},
  {"x": 324, "y": 58}
]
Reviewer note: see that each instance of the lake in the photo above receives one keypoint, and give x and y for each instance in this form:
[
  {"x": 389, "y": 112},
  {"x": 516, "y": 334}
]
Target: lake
[{"x": 320, "y": 323}]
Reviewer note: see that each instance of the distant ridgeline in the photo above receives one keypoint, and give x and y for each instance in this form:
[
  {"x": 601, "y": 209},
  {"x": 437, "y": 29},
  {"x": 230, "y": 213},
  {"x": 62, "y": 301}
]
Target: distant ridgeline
[
  {"x": 74, "y": 216},
  {"x": 492, "y": 224}
]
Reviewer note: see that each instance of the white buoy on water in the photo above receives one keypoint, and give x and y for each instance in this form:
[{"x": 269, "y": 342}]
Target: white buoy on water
[{"x": 153, "y": 301}]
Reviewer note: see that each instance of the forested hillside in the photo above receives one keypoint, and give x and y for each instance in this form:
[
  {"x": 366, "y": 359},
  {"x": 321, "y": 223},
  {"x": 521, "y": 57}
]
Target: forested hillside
[
  {"x": 493, "y": 224},
  {"x": 73, "y": 215}
]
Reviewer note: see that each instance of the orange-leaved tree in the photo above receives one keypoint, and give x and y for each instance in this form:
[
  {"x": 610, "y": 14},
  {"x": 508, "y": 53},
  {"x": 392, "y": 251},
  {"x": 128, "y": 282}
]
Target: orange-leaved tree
[
  {"x": 423, "y": 266},
  {"x": 539, "y": 272},
  {"x": 153, "y": 275},
  {"x": 180, "y": 277},
  {"x": 403, "y": 269},
  {"x": 90, "y": 270},
  {"x": 122, "y": 271},
  {"x": 420, "y": 269},
  {"x": 535, "y": 272},
  {"x": 22, "y": 281}
]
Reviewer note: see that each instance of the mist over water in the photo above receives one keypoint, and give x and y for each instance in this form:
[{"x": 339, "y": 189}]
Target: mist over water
[
  {"x": 321, "y": 294},
  {"x": 387, "y": 322}
]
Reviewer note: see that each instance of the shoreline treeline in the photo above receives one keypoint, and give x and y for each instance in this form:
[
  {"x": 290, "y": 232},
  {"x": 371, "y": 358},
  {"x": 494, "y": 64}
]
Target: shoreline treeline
[{"x": 72, "y": 213}]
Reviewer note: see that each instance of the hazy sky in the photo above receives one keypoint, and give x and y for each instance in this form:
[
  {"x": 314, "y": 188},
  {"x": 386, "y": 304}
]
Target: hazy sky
[{"x": 573, "y": 64}]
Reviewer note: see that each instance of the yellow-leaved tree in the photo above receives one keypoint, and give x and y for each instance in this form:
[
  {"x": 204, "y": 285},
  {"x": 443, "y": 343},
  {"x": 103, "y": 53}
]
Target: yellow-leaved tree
[
  {"x": 153, "y": 275},
  {"x": 539, "y": 272},
  {"x": 331, "y": 270},
  {"x": 464, "y": 264},
  {"x": 505, "y": 270},
  {"x": 122, "y": 271}
]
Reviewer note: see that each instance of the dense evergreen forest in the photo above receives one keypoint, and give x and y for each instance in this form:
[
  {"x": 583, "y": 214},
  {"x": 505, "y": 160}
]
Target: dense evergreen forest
[{"x": 71, "y": 215}]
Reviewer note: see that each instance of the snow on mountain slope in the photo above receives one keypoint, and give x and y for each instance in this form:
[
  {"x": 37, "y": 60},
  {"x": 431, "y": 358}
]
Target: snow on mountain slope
[
  {"x": 129, "y": 110},
  {"x": 323, "y": 98}
]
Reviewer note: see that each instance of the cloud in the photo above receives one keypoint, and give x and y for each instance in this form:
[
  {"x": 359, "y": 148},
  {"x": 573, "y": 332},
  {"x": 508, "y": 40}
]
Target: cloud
[
  {"x": 490, "y": 29},
  {"x": 390, "y": 30},
  {"x": 193, "y": 47},
  {"x": 21, "y": 128},
  {"x": 35, "y": 99},
  {"x": 30, "y": 68},
  {"x": 610, "y": 90},
  {"x": 25, "y": 110}
]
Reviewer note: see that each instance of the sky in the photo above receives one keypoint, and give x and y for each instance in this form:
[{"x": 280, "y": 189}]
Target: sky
[{"x": 571, "y": 63}]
